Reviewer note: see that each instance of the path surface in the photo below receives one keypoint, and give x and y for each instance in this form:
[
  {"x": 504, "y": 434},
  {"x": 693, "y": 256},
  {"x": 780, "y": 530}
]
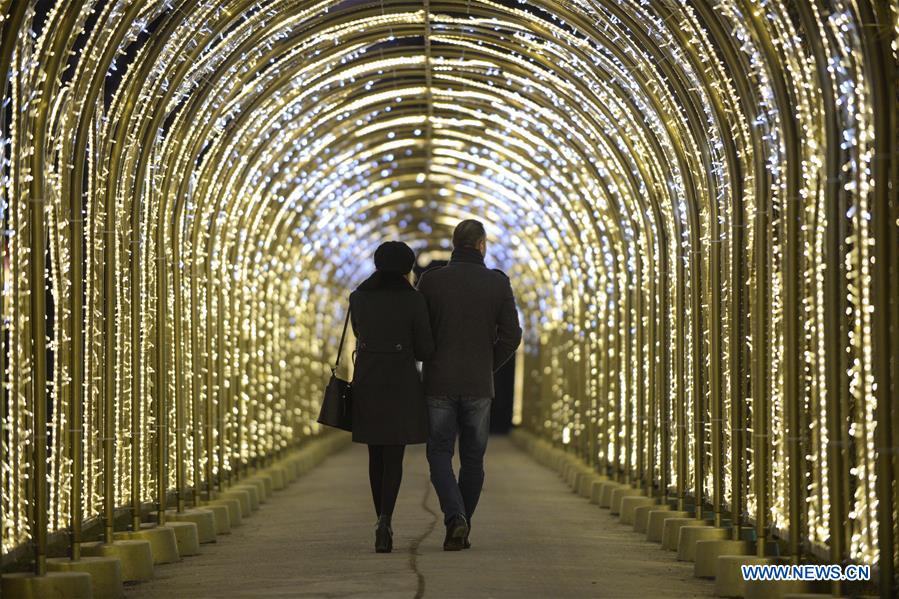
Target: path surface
[{"x": 532, "y": 537}]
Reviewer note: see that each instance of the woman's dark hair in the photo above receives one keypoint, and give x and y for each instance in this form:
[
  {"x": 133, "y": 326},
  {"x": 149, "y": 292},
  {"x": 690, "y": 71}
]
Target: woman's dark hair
[
  {"x": 468, "y": 233},
  {"x": 394, "y": 257}
]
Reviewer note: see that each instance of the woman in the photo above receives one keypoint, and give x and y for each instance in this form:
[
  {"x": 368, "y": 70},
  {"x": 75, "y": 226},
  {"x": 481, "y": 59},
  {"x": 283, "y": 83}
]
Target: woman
[{"x": 390, "y": 320}]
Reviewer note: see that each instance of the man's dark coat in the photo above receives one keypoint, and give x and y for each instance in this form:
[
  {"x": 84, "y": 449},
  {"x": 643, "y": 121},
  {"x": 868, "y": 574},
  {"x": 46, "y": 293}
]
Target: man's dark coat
[{"x": 475, "y": 325}]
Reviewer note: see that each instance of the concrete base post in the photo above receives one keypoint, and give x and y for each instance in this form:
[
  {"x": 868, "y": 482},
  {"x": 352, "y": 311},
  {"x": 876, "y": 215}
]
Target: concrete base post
[
  {"x": 671, "y": 531},
  {"x": 629, "y": 505},
  {"x": 708, "y": 552},
  {"x": 690, "y": 535},
  {"x": 243, "y": 499},
  {"x": 162, "y": 539},
  {"x": 253, "y": 495},
  {"x": 585, "y": 484},
  {"x": 231, "y": 504},
  {"x": 656, "y": 524},
  {"x": 203, "y": 518},
  {"x": 25, "y": 585},
  {"x": 105, "y": 573},
  {"x": 187, "y": 537},
  {"x": 619, "y": 494},
  {"x": 605, "y": 492},
  {"x": 641, "y": 515},
  {"x": 135, "y": 556}
]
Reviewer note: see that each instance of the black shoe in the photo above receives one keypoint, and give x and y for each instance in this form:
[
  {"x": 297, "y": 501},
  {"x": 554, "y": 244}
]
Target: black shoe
[
  {"x": 384, "y": 535},
  {"x": 467, "y": 544},
  {"x": 456, "y": 533}
]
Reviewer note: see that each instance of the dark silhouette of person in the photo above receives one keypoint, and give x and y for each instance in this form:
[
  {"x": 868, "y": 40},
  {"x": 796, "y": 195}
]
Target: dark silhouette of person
[
  {"x": 475, "y": 325},
  {"x": 390, "y": 320}
]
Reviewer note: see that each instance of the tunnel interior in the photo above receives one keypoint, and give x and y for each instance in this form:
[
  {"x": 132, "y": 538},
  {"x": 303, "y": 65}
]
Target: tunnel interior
[{"x": 696, "y": 203}]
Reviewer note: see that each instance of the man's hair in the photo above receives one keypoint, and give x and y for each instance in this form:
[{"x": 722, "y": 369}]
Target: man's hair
[{"x": 468, "y": 233}]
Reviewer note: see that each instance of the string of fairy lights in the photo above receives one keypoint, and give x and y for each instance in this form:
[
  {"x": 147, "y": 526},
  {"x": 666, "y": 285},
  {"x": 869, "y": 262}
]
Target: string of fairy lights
[{"x": 686, "y": 196}]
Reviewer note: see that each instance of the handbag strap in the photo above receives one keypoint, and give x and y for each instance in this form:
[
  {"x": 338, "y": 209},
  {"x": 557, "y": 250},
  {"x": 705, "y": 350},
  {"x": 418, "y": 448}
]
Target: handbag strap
[{"x": 342, "y": 337}]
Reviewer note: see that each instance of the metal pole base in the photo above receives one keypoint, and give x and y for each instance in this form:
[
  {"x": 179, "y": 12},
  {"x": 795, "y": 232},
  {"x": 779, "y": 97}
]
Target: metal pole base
[
  {"x": 135, "y": 555},
  {"x": 575, "y": 472},
  {"x": 242, "y": 496},
  {"x": 253, "y": 490},
  {"x": 692, "y": 534},
  {"x": 290, "y": 470},
  {"x": 163, "y": 543},
  {"x": 105, "y": 573},
  {"x": 629, "y": 505},
  {"x": 222, "y": 516},
  {"x": 605, "y": 492},
  {"x": 596, "y": 490},
  {"x": 65, "y": 585},
  {"x": 641, "y": 515},
  {"x": 657, "y": 522},
  {"x": 203, "y": 518},
  {"x": 186, "y": 537},
  {"x": 708, "y": 552},
  {"x": 232, "y": 505},
  {"x": 619, "y": 494},
  {"x": 585, "y": 483},
  {"x": 263, "y": 480},
  {"x": 671, "y": 530},
  {"x": 278, "y": 475}
]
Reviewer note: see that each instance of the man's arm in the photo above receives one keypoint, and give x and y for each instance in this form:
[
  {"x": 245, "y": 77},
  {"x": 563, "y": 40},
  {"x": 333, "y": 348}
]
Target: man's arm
[
  {"x": 508, "y": 329},
  {"x": 424, "y": 287},
  {"x": 421, "y": 329}
]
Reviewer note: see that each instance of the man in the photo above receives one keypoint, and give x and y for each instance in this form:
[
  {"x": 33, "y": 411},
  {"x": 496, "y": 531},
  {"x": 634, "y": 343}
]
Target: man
[{"x": 475, "y": 326}]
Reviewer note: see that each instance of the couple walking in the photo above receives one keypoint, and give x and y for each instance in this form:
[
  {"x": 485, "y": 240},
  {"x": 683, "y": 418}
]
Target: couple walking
[{"x": 462, "y": 323}]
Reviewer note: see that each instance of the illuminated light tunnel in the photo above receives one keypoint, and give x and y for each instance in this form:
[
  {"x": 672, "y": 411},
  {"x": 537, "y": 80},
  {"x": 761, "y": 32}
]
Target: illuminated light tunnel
[{"x": 696, "y": 202}]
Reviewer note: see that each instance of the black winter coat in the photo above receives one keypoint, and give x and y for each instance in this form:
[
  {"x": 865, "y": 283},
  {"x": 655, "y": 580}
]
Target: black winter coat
[
  {"x": 475, "y": 325},
  {"x": 390, "y": 320}
]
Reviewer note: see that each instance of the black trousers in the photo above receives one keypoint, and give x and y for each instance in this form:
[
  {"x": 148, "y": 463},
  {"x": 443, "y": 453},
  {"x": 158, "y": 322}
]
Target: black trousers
[{"x": 385, "y": 472}]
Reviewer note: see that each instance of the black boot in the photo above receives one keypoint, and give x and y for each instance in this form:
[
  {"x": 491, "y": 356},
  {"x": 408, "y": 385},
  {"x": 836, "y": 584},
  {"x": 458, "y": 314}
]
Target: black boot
[
  {"x": 456, "y": 532},
  {"x": 384, "y": 535}
]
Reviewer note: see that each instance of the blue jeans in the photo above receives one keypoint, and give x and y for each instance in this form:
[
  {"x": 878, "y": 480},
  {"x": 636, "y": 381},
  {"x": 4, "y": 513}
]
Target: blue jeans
[{"x": 469, "y": 419}]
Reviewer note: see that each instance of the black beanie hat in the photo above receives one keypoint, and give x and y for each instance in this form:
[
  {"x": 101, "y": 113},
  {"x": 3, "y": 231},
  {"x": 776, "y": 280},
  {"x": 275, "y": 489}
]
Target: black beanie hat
[{"x": 394, "y": 257}]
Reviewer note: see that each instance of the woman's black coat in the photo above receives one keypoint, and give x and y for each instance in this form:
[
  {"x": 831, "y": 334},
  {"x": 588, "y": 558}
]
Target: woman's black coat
[{"x": 390, "y": 320}]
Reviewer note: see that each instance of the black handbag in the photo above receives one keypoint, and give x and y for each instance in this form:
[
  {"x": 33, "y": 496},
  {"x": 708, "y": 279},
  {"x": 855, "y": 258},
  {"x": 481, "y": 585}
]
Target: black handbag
[{"x": 337, "y": 406}]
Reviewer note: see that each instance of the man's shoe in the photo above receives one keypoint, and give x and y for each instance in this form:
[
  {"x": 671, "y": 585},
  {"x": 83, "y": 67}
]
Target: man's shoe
[
  {"x": 467, "y": 544},
  {"x": 384, "y": 536},
  {"x": 456, "y": 533}
]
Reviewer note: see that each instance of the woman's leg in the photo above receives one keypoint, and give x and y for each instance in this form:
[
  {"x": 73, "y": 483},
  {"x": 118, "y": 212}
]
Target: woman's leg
[
  {"x": 376, "y": 474},
  {"x": 393, "y": 476}
]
